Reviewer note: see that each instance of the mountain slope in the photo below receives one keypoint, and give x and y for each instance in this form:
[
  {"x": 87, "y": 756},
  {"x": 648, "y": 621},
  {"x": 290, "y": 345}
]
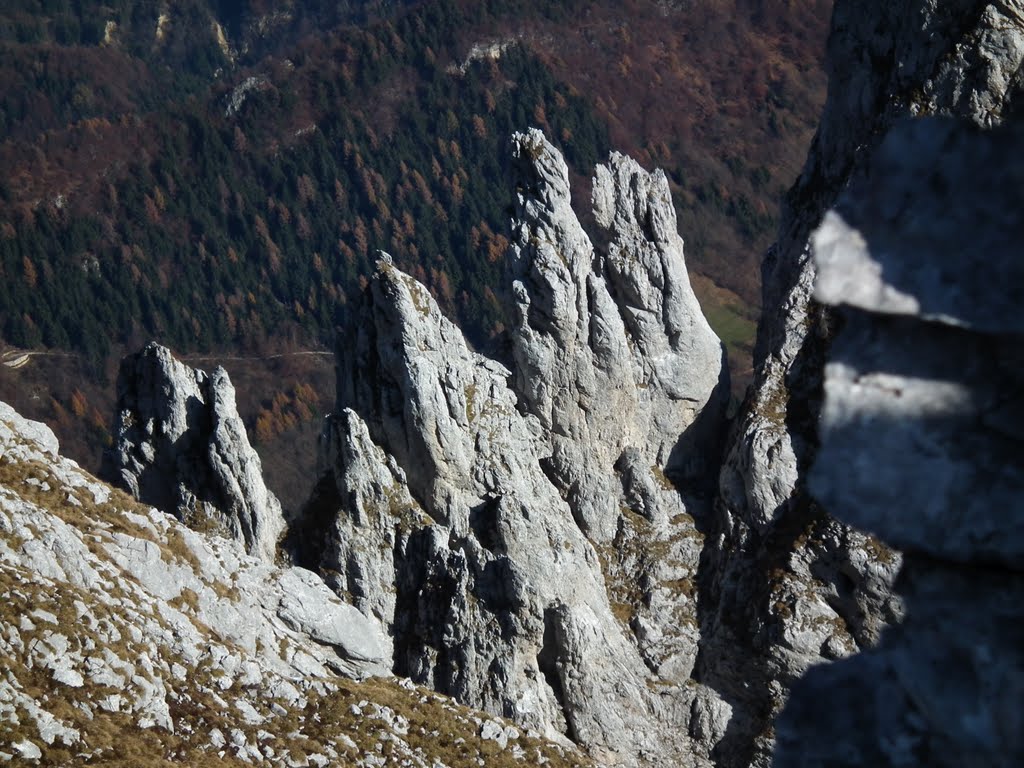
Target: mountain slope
[{"x": 128, "y": 639}]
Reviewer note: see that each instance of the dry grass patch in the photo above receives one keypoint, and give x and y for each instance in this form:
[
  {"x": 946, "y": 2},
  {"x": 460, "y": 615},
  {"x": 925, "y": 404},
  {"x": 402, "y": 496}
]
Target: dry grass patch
[{"x": 437, "y": 729}]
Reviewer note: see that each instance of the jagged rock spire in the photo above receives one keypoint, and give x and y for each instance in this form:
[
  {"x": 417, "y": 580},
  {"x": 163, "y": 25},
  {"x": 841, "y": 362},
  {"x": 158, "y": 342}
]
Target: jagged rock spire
[
  {"x": 180, "y": 445},
  {"x": 611, "y": 350},
  {"x": 501, "y": 522}
]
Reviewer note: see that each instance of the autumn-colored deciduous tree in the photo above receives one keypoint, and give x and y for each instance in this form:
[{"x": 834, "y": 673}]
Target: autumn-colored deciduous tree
[
  {"x": 340, "y": 195},
  {"x": 497, "y": 247},
  {"x": 29, "y": 271},
  {"x": 303, "y": 228},
  {"x": 306, "y": 188},
  {"x": 479, "y": 127},
  {"x": 264, "y": 427},
  {"x": 361, "y": 237},
  {"x": 79, "y": 405},
  {"x": 152, "y": 211}
]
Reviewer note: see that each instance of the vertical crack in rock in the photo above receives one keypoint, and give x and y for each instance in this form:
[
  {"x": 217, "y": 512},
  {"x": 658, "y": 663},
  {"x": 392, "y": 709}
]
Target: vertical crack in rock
[
  {"x": 180, "y": 445},
  {"x": 548, "y": 662}
]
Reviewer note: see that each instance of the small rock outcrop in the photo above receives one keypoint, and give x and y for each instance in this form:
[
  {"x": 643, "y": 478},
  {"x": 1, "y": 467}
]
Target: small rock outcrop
[
  {"x": 127, "y": 636},
  {"x": 789, "y": 586},
  {"x": 529, "y": 536},
  {"x": 921, "y": 444},
  {"x": 180, "y": 445}
]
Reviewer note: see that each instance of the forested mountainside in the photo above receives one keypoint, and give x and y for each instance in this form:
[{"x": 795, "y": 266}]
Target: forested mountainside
[{"x": 219, "y": 176}]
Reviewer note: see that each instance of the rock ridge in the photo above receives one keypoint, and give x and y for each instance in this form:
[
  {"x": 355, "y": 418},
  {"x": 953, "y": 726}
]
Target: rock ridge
[{"x": 528, "y": 535}]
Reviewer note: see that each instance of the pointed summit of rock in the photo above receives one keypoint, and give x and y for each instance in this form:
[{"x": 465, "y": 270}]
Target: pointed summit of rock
[{"x": 180, "y": 445}]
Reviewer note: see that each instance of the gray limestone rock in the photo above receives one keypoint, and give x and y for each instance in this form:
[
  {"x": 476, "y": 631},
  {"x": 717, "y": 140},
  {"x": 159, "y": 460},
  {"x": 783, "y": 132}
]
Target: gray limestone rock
[
  {"x": 528, "y": 536},
  {"x": 15, "y": 428},
  {"x": 879, "y": 250},
  {"x": 780, "y": 569},
  {"x": 448, "y": 530},
  {"x": 670, "y": 340},
  {"x": 170, "y": 601},
  {"x": 614, "y": 357},
  {"x": 920, "y": 444},
  {"x": 941, "y": 690},
  {"x": 612, "y": 352},
  {"x": 932, "y": 405},
  {"x": 180, "y": 445},
  {"x": 123, "y": 632},
  {"x": 331, "y": 623}
]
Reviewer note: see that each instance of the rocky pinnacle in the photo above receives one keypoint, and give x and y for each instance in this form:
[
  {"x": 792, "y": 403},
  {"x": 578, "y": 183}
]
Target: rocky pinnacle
[
  {"x": 529, "y": 536},
  {"x": 180, "y": 445}
]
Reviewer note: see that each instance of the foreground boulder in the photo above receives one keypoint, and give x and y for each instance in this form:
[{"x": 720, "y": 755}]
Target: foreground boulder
[
  {"x": 921, "y": 443},
  {"x": 792, "y": 586},
  {"x": 180, "y": 445}
]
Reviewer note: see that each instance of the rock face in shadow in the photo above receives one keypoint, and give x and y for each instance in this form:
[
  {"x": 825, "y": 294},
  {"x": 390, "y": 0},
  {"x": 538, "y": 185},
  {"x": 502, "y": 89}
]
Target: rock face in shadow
[
  {"x": 180, "y": 445},
  {"x": 529, "y": 536},
  {"x": 927, "y": 368},
  {"x": 921, "y": 444},
  {"x": 786, "y": 585}
]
